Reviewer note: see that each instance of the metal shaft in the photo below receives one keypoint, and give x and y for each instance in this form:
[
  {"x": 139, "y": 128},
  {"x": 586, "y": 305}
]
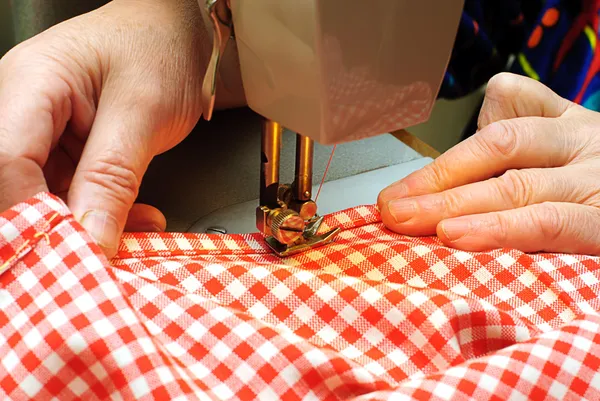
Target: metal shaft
[
  {"x": 269, "y": 164},
  {"x": 304, "y": 168}
]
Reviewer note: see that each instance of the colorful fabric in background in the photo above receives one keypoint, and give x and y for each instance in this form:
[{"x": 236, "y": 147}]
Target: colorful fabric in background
[
  {"x": 490, "y": 31},
  {"x": 553, "y": 41},
  {"x": 562, "y": 51}
]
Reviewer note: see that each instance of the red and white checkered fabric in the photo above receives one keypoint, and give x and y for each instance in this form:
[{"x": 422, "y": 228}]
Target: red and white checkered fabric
[{"x": 373, "y": 316}]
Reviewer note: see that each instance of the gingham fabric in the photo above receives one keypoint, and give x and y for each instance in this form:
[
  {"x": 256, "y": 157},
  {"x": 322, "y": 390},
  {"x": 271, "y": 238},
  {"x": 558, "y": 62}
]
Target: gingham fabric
[{"x": 373, "y": 316}]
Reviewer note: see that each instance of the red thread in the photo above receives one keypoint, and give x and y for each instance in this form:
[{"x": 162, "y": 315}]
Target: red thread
[{"x": 325, "y": 173}]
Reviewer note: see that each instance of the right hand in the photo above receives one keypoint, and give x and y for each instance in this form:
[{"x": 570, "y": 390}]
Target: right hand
[
  {"x": 528, "y": 179},
  {"x": 86, "y": 105}
]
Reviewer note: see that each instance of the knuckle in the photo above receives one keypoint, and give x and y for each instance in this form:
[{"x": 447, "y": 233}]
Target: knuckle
[
  {"x": 498, "y": 139},
  {"x": 452, "y": 202},
  {"x": 503, "y": 85},
  {"x": 25, "y": 55},
  {"x": 434, "y": 174},
  {"x": 547, "y": 216},
  {"x": 13, "y": 55},
  {"x": 498, "y": 227},
  {"x": 587, "y": 190},
  {"x": 514, "y": 187},
  {"x": 29, "y": 68},
  {"x": 116, "y": 175}
]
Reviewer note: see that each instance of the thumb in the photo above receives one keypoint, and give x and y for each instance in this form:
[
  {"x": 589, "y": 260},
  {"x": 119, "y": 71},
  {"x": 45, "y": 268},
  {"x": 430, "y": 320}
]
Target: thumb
[{"x": 107, "y": 179}]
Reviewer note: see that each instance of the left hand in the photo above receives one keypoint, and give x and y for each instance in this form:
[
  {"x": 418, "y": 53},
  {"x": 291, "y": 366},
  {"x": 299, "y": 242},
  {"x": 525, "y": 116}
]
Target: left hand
[
  {"x": 87, "y": 104},
  {"x": 528, "y": 179}
]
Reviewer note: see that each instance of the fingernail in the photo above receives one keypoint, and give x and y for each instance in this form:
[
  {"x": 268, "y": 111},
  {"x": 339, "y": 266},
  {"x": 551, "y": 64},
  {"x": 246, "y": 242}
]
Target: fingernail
[
  {"x": 102, "y": 227},
  {"x": 455, "y": 229},
  {"x": 154, "y": 229},
  {"x": 402, "y": 210},
  {"x": 145, "y": 228}
]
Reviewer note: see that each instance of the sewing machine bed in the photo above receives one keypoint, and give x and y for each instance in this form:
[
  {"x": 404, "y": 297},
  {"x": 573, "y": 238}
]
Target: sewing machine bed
[
  {"x": 211, "y": 179},
  {"x": 345, "y": 193}
]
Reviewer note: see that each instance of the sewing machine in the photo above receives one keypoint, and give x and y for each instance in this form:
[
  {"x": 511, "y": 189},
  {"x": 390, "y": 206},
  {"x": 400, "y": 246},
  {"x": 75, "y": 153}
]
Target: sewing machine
[{"x": 333, "y": 71}]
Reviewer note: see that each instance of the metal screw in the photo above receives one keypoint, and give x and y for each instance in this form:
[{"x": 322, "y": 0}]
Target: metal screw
[
  {"x": 287, "y": 226},
  {"x": 215, "y": 230}
]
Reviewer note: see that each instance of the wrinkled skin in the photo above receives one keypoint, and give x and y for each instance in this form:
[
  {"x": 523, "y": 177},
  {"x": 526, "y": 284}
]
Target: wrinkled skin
[
  {"x": 528, "y": 179},
  {"x": 87, "y": 104}
]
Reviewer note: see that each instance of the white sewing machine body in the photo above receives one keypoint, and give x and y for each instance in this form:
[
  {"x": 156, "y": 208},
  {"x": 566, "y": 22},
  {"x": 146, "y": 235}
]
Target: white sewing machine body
[
  {"x": 333, "y": 71},
  {"x": 341, "y": 70}
]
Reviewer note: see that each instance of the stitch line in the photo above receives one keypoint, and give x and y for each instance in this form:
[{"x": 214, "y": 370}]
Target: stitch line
[
  {"x": 17, "y": 254},
  {"x": 29, "y": 243}
]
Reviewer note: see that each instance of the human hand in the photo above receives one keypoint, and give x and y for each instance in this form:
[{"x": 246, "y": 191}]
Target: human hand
[
  {"x": 86, "y": 105},
  {"x": 528, "y": 179}
]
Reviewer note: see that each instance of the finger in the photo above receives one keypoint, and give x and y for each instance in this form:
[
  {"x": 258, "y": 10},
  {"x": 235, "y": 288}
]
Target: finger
[
  {"x": 511, "y": 96},
  {"x": 28, "y": 122},
  {"x": 145, "y": 218},
  {"x": 545, "y": 227},
  {"x": 37, "y": 99},
  {"x": 20, "y": 179},
  {"x": 510, "y": 144},
  {"x": 516, "y": 188},
  {"x": 35, "y": 109},
  {"x": 115, "y": 157}
]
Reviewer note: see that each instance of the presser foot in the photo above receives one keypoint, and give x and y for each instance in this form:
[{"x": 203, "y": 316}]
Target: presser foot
[
  {"x": 304, "y": 244},
  {"x": 289, "y": 234}
]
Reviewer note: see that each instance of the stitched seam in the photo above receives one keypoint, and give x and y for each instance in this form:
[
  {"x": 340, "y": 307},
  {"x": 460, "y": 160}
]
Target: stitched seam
[
  {"x": 30, "y": 243},
  {"x": 244, "y": 241}
]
